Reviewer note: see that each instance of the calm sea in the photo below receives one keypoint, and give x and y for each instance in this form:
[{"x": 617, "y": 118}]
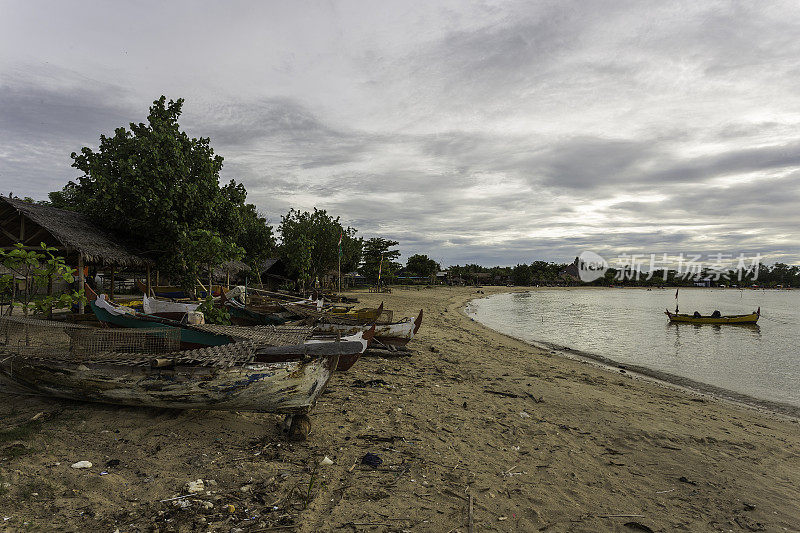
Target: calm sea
[{"x": 629, "y": 326}]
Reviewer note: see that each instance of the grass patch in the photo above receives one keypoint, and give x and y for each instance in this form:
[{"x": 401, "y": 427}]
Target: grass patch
[{"x": 21, "y": 432}]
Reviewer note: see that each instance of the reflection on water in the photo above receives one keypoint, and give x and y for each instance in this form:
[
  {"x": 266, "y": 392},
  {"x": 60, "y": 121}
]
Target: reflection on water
[{"x": 629, "y": 326}]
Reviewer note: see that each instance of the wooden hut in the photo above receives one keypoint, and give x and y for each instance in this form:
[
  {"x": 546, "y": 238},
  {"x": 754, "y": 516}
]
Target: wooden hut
[
  {"x": 230, "y": 270},
  {"x": 273, "y": 273},
  {"x": 76, "y": 238}
]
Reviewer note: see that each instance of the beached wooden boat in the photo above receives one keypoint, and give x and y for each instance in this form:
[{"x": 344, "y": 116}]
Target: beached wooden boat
[
  {"x": 117, "y": 315},
  {"x": 394, "y": 334},
  {"x": 174, "y": 291},
  {"x": 168, "y": 308},
  {"x": 347, "y": 360},
  {"x": 751, "y": 318},
  {"x": 301, "y": 310},
  {"x": 143, "y": 368},
  {"x": 244, "y": 315}
]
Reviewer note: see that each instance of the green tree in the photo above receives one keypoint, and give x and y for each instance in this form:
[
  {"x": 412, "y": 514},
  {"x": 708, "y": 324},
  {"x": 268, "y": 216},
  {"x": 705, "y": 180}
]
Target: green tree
[
  {"x": 422, "y": 265},
  {"x": 155, "y": 185},
  {"x": 521, "y": 275},
  {"x": 310, "y": 243},
  {"x": 207, "y": 249},
  {"x": 255, "y": 237},
  {"x": 38, "y": 268},
  {"x": 299, "y": 256},
  {"x": 377, "y": 256}
]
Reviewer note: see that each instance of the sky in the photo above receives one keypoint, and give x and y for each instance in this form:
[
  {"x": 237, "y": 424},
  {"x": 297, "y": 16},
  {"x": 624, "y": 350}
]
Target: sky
[{"x": 473, "y": 132}]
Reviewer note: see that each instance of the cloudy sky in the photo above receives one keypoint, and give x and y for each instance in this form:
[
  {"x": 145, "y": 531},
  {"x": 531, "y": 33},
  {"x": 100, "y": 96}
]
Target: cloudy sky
[{"x": 489, "y": 132}]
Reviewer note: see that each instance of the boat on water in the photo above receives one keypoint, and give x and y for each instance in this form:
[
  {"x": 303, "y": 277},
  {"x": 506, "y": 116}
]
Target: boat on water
[{"x": 715, "y": 318}]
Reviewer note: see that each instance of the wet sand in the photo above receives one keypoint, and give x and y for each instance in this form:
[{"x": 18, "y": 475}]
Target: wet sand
[{"x": 538, "y": 441}]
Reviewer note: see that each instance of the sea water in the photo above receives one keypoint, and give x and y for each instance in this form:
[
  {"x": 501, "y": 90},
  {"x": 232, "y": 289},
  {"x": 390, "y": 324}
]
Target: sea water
[{"x": 629, "y": 326}]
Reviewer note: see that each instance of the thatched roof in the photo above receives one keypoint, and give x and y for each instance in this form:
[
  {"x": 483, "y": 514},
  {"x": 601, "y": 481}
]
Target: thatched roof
[
  {"x": 69, "y": 231},
  {"x": 234, "y": 268}
]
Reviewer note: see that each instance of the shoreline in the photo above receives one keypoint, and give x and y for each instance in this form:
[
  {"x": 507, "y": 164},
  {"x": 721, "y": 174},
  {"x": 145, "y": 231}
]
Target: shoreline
[
  {"x": 674, "y": 381},
  {"x": 537, "y": 442}
]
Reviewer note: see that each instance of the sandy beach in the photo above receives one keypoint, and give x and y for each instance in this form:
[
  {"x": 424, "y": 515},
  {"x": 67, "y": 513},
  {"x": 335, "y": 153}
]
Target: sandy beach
[{"x": 535, "y": 441}]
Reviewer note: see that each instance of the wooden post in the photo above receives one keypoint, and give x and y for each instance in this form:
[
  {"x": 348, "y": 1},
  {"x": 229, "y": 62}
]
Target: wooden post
[
  {"x": 22, "y": 229},
  {"x": 111, "y": 290},
  {"x": 50, "y": 293},
  {"x": 149, "y": 286},
  {"x": 81, "y": 281},
  {"x": 157, "y": 276}
]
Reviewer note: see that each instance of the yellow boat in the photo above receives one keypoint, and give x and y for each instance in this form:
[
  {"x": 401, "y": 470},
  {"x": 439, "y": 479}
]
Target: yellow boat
[
  {"x": 365, "y": 314},
  {"x": 752, "y": 318}
]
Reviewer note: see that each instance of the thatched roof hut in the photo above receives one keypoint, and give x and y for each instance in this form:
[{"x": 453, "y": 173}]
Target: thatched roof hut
[
  {"x": 73, "y": 234},
  {"x": 230, "y": 269}
]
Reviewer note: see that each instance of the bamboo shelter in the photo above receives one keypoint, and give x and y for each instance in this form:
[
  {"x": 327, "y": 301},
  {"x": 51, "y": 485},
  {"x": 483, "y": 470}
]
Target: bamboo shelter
[{"x": 74, "y": 235}]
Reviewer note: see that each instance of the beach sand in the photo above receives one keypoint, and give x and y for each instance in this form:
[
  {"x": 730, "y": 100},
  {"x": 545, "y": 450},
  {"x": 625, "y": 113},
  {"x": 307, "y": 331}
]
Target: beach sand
[{"x": 539, "y": 442}]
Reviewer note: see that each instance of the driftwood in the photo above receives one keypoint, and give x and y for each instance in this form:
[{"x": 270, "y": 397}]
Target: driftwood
[{"x": 471, "y": 523}]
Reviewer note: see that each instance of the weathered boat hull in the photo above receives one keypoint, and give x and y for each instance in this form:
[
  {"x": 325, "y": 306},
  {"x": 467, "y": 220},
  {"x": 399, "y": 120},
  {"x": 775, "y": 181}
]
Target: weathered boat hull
[
  {"x": 189, "y": 337},
  {"x": 241, "y": 316},
  {"x": 395, "y": 334},
  {"x": 347, "y": 360},
  {"x": 752, "y": 318},
  {"x": 154, "y": 306},
  {"x": 171, "y": 291},
  {"x": 290, "y": 387}
]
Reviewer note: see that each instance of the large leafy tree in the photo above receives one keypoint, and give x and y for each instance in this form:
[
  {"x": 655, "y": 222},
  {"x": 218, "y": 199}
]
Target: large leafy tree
[
  {"x": 521, "y": 275},
  {"x": 310, "y": 244},
  {"x": 157, "y": 186},
  {"x": 379, "y": 256},
  {"x": 422, "y": 265}
]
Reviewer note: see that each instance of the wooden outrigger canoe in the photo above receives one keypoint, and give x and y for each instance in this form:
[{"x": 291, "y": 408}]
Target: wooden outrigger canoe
[
  {"x": 240, "y": 376},
  {"x": 389, "y": 334},
  {"x": 124, "y": 317},
  {"x": 173, "y": 291},
  {"x": 203, "y": 336},
  {"x": 751, "y": 318}
]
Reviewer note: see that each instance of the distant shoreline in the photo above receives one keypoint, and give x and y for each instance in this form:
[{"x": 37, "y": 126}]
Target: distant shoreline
[{"x": 658, "y": 376}]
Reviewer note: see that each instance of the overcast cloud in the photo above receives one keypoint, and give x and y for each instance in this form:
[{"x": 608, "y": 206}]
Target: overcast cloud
[{"x": 489, "y": 132}]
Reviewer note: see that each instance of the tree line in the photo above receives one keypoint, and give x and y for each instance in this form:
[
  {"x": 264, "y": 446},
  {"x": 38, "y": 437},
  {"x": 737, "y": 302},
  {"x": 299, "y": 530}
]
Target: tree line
[{"x": 160, "y": 190}]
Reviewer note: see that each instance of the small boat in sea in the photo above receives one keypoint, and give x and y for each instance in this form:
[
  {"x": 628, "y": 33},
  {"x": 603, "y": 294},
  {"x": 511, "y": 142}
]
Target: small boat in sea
[{"x": 715, "y": 318}]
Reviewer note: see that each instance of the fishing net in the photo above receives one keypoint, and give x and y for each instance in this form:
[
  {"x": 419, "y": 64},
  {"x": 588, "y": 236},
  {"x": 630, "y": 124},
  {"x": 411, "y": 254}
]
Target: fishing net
[
  {"x": 30, "y": 337},
  {"x": 262, "y": 335}
]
